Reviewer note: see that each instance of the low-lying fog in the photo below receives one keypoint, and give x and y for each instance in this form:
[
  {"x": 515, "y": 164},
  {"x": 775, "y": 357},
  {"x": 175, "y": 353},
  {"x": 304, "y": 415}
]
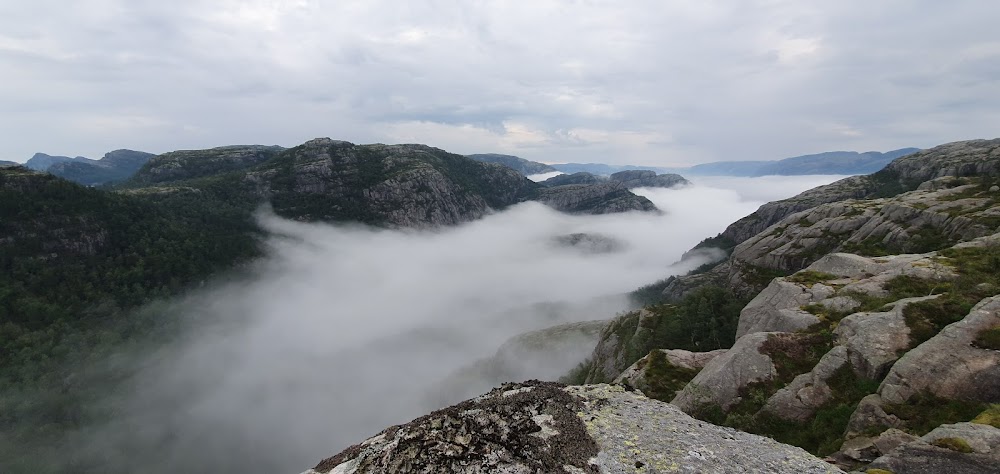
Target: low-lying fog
[{"x": 345, "y": 330}]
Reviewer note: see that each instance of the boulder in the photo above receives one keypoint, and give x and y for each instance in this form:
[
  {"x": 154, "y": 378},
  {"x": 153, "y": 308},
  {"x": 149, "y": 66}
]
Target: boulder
[
  {"x": 687, "y": 364},
  {"x": 980, "y": 438},
  {"x": 778, "y": 308},
  {"x": 720, "y": 381},
  {"x": 949, "y": 365},
  {"x": 800, "y": 399},
  {"x": 874, "y": 340}
]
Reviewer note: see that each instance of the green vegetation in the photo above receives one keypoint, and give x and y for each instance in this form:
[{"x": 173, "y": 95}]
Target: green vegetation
[
  {"x": 650, "y": 294},
  {"x": 925, "y": 411},
  {"x": 759, "y": 277},
  {"x": 719, "y": 242},
  {"x": 577, "y": 376},
  {"x": 888, "y": 183},
  {"x": 820, "y": 435},
  {"x": 955, "y": 444},
  {"x": 75, "y": 266},
  {"x": 926, "y": 318},
  {"x": 869, "y": 247},
  {"x": 664, "y": 378},
  {"x": 704, "y": 320},
  {"x": 989, "y": 416},
  {"x": 878, "y": 471},
  {"x": 809, "y": 277},
  {"x": 989, "y": 339}
]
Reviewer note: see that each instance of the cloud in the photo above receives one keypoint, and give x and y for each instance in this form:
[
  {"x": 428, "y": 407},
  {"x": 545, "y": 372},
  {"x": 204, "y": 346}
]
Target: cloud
[
  {"x": 763, "y": 79},
  {"x": 344, "y": 330}
]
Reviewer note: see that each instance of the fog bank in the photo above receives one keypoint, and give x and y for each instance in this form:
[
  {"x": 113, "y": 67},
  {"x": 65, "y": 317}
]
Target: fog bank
[{"x": 344, "y": 330}]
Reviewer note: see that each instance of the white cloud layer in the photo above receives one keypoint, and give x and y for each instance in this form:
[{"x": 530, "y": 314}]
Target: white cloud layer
[
  {"x": 344, "y": 330},
  {"x": 652, "y": 82}
]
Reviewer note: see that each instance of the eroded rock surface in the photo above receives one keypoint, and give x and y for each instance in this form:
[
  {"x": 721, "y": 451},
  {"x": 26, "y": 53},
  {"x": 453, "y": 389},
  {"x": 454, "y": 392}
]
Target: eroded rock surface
[{"x": 538, "y": 427}]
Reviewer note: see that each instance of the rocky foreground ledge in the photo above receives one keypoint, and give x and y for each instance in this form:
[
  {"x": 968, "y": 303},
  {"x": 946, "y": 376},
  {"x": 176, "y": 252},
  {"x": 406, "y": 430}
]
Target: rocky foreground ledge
[{"x": 543, "y": 427}]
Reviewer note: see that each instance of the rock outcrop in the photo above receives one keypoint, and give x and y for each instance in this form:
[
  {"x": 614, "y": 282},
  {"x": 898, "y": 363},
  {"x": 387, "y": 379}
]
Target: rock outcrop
[
  {"x": 603, "y": 198},
  {"x": 663, "y": 372},
  {"x": 720, "y": 382},
  {"x": 516, "y": 163},
  {"x": 648, "y": 179},
  {"x": 961, "y": 448},
  {"x": 949, "y": 365},
  {"x": 575, "y": 178},
  {"x": 544, "y": 427},
  {"x": 630, "y": 179},
  {"x": 192, "y": 164}
]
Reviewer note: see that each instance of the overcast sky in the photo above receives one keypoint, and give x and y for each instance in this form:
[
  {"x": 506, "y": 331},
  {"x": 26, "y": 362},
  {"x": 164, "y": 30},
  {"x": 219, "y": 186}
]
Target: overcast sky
[{"x": 647, "y": 82}]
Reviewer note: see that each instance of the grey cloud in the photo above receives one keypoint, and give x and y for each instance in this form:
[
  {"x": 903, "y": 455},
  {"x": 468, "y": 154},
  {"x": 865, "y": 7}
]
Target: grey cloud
[{"x": 698, "y": 82}]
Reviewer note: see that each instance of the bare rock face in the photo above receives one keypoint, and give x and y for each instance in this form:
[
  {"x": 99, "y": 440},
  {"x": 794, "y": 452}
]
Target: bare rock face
[
  {"x": 949, "y": 365},
  {"x": 538, "y": 427},
  {"x": 778, "y": 308},
  {"x": 720, "y": 381},
  {"x": 874, "y": 340}
]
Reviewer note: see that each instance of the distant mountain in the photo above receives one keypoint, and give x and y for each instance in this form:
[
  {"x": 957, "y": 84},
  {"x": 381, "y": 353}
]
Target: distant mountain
[
  {"x": 190, "y": 164},
  {"x": 42, "y": 162},
  {"x": 834, "y": 162},
  {"x": 115, "y": 166},
  {"x": 518, "y": 164},
  {"x": 604, "y": 169},
  {"x": 631, "y": 179},
  {"x": 7, "y": 164},
  {"x": 728, "y": 168}
]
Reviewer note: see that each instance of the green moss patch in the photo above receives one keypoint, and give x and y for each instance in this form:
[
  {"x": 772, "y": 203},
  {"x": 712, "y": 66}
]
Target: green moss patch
[
  {"x": 989, "y": 416},
  {"x": 954, "y": 444}
]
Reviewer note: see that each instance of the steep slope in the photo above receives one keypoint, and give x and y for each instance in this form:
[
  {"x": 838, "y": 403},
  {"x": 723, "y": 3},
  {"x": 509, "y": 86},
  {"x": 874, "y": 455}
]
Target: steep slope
[
  {"x": 75, "y": 262},
  {"x": 882, "y": 212},
  {"x": 844, "y": 350},
  {"x": 515, "y": 163}
]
